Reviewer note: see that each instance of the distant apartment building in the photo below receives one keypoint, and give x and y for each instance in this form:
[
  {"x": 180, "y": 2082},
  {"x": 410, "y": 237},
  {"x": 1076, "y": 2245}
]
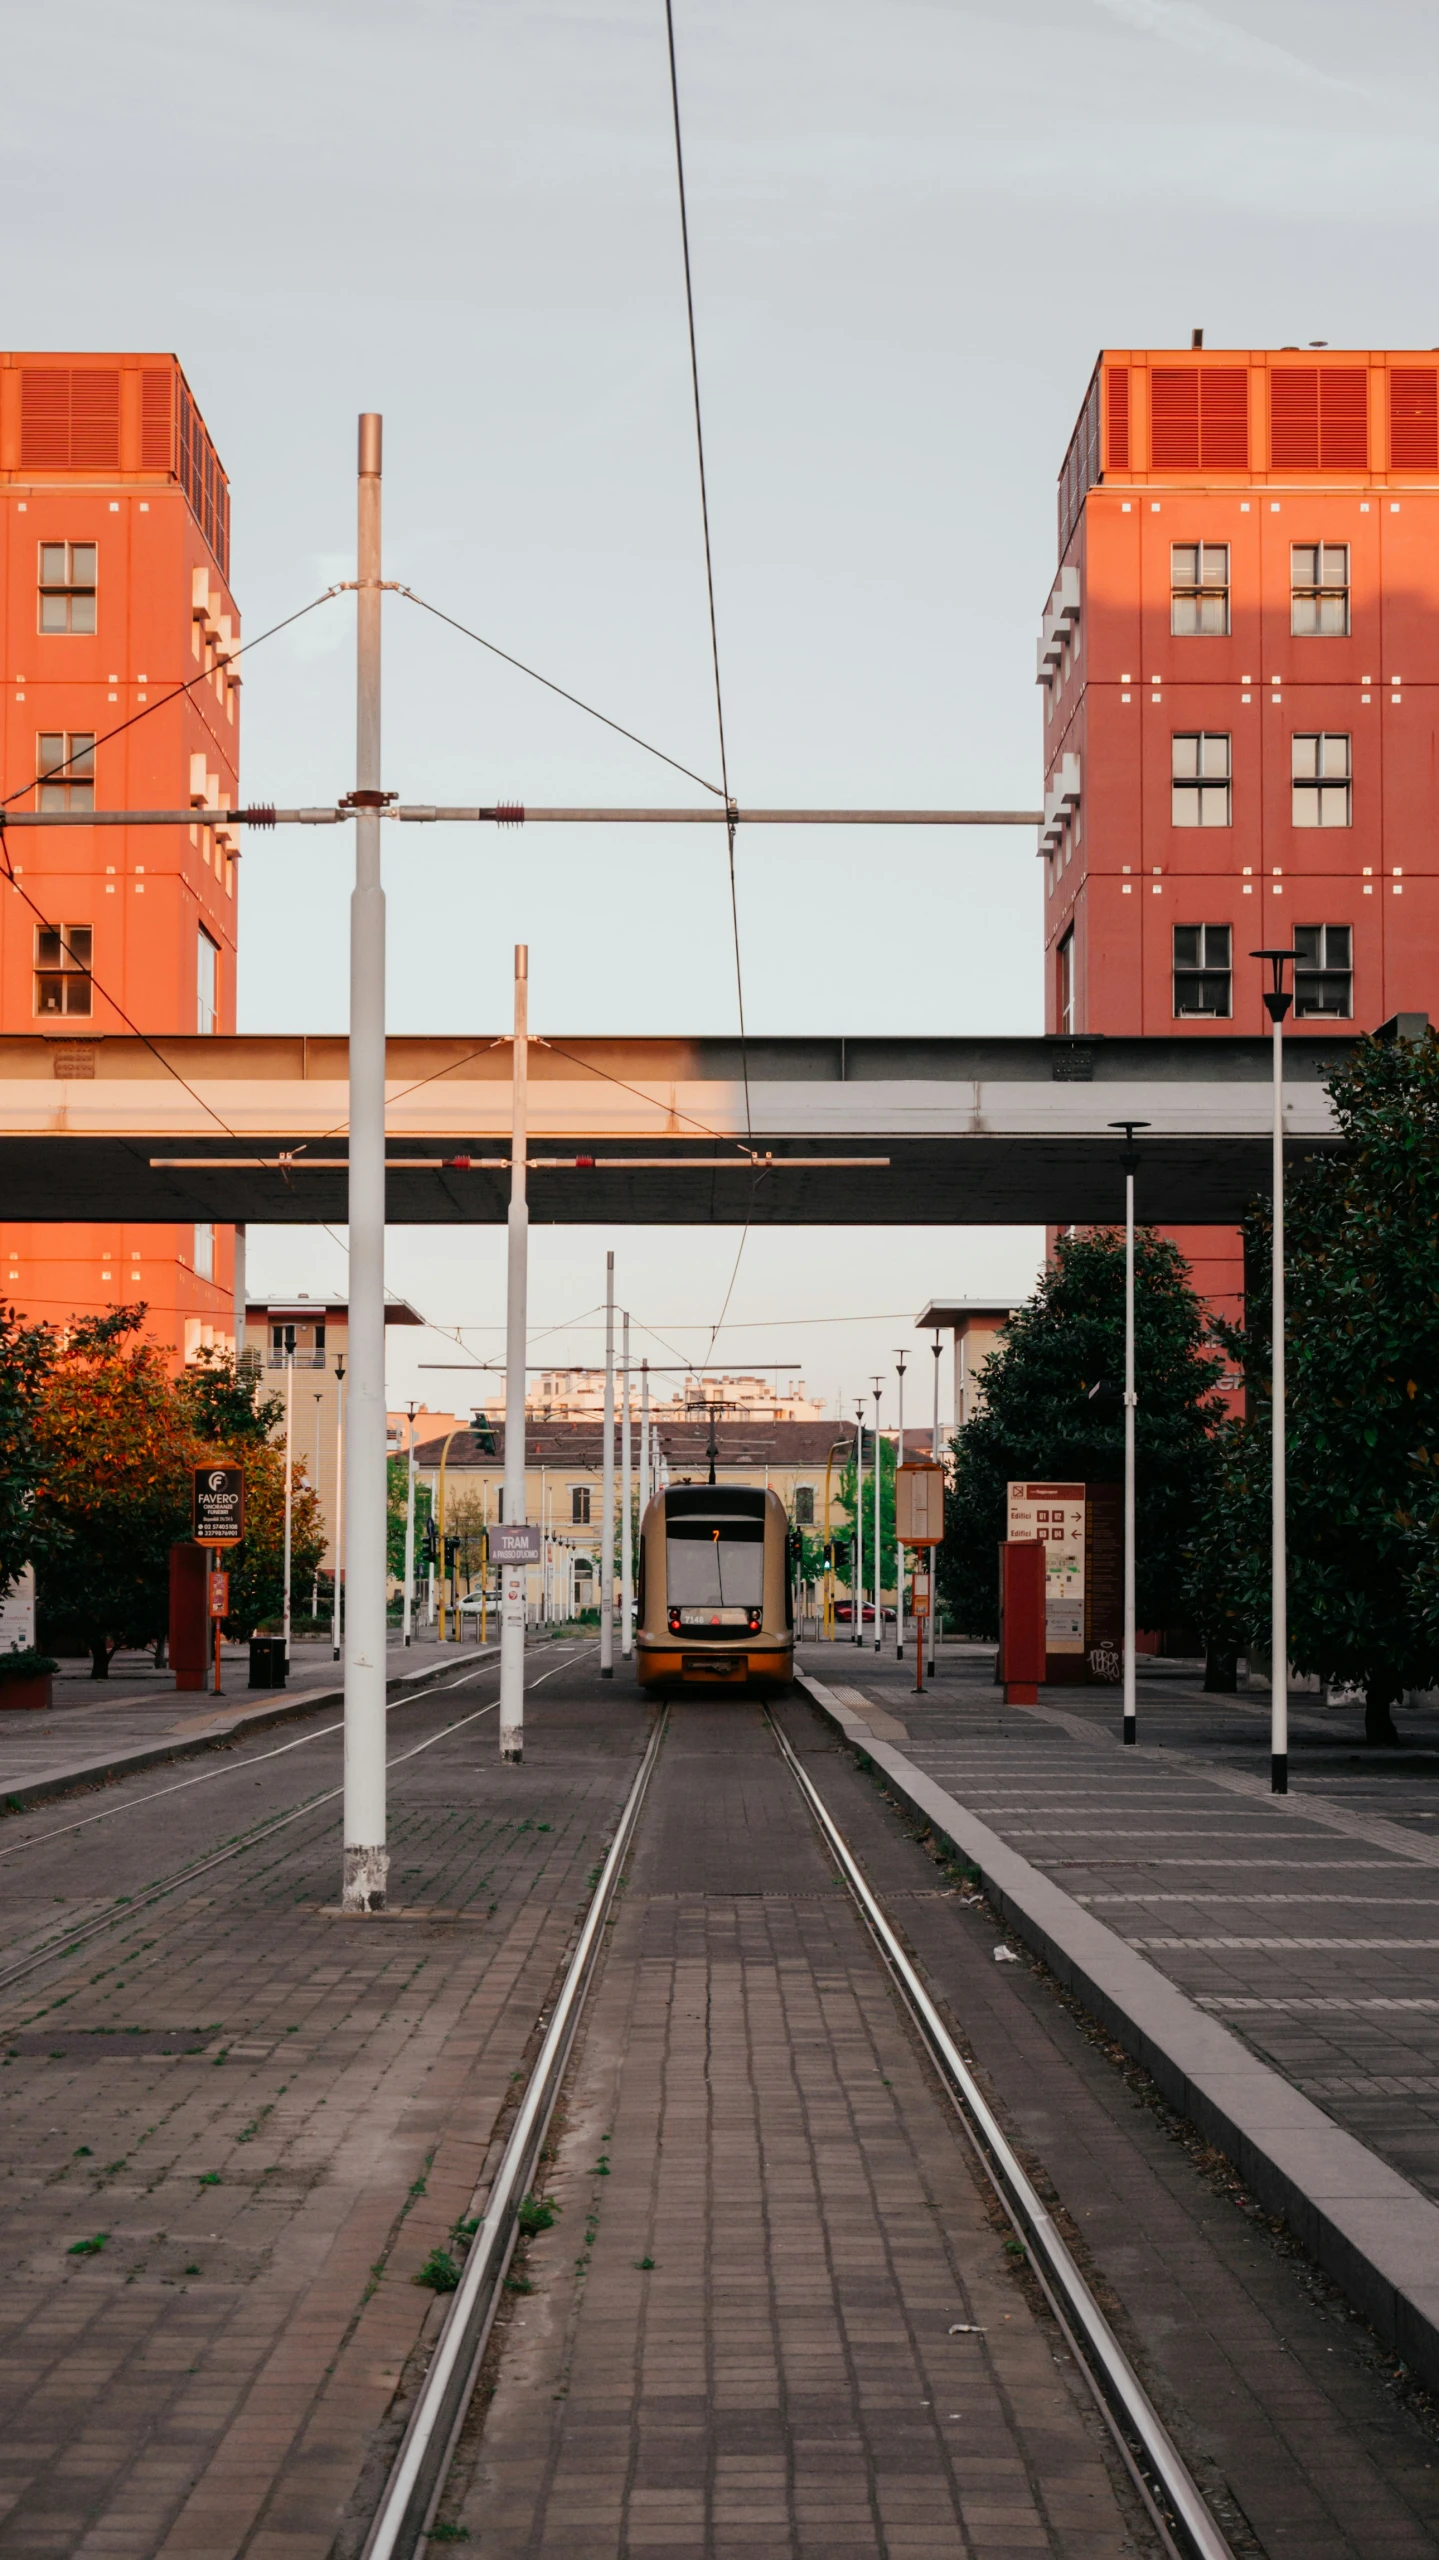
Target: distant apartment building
[
  {"x": 573, "y": 1395},
  {"x": 114, "y": 595},
  {"x": 1240, "y": 663},
  {"x": 297, "y": 1350}
]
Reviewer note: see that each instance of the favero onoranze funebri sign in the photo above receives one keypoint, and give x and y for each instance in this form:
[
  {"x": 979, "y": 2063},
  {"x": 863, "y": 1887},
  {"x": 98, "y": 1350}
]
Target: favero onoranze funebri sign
[{"x": 218, "y": 1495}]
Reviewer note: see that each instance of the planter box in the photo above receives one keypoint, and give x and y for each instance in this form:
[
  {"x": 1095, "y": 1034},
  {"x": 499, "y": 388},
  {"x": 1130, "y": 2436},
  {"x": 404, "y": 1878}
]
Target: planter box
[{"x": 31, "y": 1689}]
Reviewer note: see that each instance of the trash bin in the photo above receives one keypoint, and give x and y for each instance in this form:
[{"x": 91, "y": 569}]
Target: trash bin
[{"x": 267, "y": 1662}]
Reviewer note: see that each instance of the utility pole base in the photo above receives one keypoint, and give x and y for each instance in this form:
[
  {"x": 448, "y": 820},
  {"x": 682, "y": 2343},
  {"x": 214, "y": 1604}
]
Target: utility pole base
[
  {"x": 1279, "y": 1773},
  {"x": 1131, "y": 1729},
  {"x": 366, "y": 1874},
  {"x": 512, "y": 1742},
  {"x": 607, "y": 1671}
]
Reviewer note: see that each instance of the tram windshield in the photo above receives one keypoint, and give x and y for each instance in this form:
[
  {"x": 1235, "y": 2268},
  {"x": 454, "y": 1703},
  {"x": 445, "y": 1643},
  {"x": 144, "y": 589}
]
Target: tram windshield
[{"x": 715, "y": 1564}]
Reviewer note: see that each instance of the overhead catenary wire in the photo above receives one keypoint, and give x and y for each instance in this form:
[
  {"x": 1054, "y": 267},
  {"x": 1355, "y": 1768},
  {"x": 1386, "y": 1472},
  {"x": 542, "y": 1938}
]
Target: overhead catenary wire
[
  {"x": 551, "y": 687},
  {"x": 709, "y": 558}
]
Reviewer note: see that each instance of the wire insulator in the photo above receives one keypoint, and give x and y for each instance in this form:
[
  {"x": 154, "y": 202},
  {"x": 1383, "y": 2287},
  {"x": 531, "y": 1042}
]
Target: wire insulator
[
  {"x": 458, "y": 1164},
  {"x": 509, "y": 813},
  {"x": 263, "y": 816}
]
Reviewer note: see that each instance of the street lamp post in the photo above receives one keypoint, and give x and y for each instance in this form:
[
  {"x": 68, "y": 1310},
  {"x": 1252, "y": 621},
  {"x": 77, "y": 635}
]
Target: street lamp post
[
  {"x": 607, "y": 1497},
  {"x": 1130, "y": 1162},
  {"x": 856, "y": 1571},
  {"x": 410, "y": 1530},
  {"x": 627, "y": 1534},
  {"x": 935, "y": 1453},
  {"x": 1277, "y": 1001},
  {"x": 366, "y": 1855},
  {"x": 900, "y": 1363},
  {"x": 878, "y": 1527},
  {"x": 289, "y": 1480}
]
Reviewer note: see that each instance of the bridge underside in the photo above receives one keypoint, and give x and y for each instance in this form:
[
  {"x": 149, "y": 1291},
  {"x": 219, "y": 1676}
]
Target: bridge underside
[{"x": 853, "y": 1133}]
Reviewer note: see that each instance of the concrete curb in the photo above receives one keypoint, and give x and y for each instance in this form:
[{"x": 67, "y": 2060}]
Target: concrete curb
[
  {"x": 281, "y": 1707},
  {"x": 1369, "y": 2229}
]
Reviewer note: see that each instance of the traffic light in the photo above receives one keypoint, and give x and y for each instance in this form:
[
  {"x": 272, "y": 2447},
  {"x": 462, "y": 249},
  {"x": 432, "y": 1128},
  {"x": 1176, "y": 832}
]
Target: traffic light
[
  {"x": 795, "y": 1544},
  {"x": 452, "y": 1549},
  {"x": 431, "y": 1549}
]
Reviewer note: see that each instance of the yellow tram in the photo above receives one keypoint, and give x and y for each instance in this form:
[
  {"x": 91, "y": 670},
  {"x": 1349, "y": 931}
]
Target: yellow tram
[{"x": 715, "y": 1605}]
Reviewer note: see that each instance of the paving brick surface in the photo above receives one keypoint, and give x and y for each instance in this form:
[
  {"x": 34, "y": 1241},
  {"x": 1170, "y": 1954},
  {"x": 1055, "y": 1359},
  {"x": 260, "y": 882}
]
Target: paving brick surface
[
  {"x": 1285, "y": 2412},
  {"x": 97, "y": 1724},
  {"x": 1309, "y": 1924},
  {"x": 209, "y": 2381},
  {"x": 750, "y": 2115}
]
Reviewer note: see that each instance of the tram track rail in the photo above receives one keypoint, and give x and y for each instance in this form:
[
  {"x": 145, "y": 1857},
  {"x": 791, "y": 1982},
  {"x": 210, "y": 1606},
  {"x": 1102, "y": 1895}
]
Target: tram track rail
[
  {"x": 416, "y": 2481},
  {"x": 1173, "y": 2501},
  {"x": 1171, "y": 2498},
  {"x": 74, "y": 1941}
]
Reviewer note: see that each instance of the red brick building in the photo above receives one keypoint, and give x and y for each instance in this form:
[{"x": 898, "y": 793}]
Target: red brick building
[
  {"x": 114, "y": 592},
  {"x": 1240, "y": 657}
]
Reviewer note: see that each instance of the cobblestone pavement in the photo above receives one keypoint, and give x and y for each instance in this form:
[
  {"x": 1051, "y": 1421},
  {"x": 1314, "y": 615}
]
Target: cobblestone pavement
[
  {"x": 235, "y": 2127},
  {"x": 93, "y": 1723},
  {"x": 739, "y": 2338},
  {"x": 1309, "y": 1923}
]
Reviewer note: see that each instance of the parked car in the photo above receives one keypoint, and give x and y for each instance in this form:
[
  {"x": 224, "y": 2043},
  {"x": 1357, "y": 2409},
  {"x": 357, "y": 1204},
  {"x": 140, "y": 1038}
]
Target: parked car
[{"x": 844, "y": 1614}]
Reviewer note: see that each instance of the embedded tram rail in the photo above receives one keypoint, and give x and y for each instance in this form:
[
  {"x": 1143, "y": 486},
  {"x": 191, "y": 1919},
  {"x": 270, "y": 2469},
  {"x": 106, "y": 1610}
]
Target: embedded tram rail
[{"x": 660, "y": 2061}]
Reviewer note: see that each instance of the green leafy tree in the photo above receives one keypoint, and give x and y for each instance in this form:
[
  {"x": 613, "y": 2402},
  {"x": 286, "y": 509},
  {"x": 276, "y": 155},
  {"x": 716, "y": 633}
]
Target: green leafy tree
[
  {"x": 397, "y": 1474},
  {"x": 1362, "y": 1399},
  {"x": 113, "y": 1490},
  {"x": 229, "y": 1417},
  {"x": 842, "y": 1512},
  {"x": 1039, "y": 1418},
  {"x": 27, "y": 1356}
]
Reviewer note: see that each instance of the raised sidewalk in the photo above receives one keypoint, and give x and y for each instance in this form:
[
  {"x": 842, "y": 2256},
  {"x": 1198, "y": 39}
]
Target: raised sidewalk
[
  {"x": 139, "y": 1720},
  {"x": 1324, "y": 2089}
]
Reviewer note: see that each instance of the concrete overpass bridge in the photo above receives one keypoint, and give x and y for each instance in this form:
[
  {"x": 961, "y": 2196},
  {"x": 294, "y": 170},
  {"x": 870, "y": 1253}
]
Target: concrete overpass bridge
[{"x": 869, "y": 1132}]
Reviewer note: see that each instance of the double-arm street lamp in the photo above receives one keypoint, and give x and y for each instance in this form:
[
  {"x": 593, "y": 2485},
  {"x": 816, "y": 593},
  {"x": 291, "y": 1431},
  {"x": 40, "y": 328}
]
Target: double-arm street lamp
[{"x": 1277, "y": 1001}]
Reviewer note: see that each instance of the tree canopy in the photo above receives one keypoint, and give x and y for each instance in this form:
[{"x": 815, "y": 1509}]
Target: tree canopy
[
  {"x": 1362, "y": 1398},
  {"x": 27, "y": 1353},
  {"x": 1039, "y": 1419}
]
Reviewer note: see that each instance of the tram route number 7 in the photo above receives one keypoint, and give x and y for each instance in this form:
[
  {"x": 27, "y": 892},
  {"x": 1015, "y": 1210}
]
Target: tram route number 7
[{"x": 218, "y": 1506}]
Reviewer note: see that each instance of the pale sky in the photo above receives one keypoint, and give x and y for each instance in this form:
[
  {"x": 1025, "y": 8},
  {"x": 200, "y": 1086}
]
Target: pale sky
[{"x": 912, "y": 226}]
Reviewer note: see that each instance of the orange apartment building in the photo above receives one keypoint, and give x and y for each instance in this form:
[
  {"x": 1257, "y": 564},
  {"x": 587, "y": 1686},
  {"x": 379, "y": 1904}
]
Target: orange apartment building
[
  {"x": 1240, "y": 657},
  {"x": 114, "y": 558}
]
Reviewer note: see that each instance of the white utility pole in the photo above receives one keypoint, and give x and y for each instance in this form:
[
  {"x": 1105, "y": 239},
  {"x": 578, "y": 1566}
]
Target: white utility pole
[
  {"x": 1130, "y": 1162},
  {"x": 627, "y": 1534},
  {"x": 514, "y": 1578},
  {"x": 337, "y": 1621},
  {"x": 646, "y": 1476},
  {"x": 366, "y": 1856},
  {"x": 898, "y": 1549},
  {"x": 1277, "y": 1002},
  {"x": 857, "y": 1560},
  {"x": 410, "y": 1532},
  {"x": 937, "y": 1455},
  {"x": 289, "y": 1480},
  {"x": 878, "y": 1528},
  {"x": 607, "y": 1499}
]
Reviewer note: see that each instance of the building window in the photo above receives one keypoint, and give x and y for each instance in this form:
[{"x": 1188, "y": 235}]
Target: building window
[
  {"x": 579, "y": 1506},
  {"x": 1323, "y": 970},
  {"x": 62, "y": 968},
  {"x": 1199, "y": 789},
  {"x": 1065, "y": 1006},
  {"x": 1203, "y": 972},
  {"x": 204, "y": 1257},
  {"x": 1319, "y": 590},
  {"x": 804, "y": 1506},
  {"x": 67, "y": 586},
  {"x": 69, "y": 756},
  {"x": 207, "y": 979},
  {"x": 1321, "y": 770},
  {"x": 1199, "y": 589}
]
